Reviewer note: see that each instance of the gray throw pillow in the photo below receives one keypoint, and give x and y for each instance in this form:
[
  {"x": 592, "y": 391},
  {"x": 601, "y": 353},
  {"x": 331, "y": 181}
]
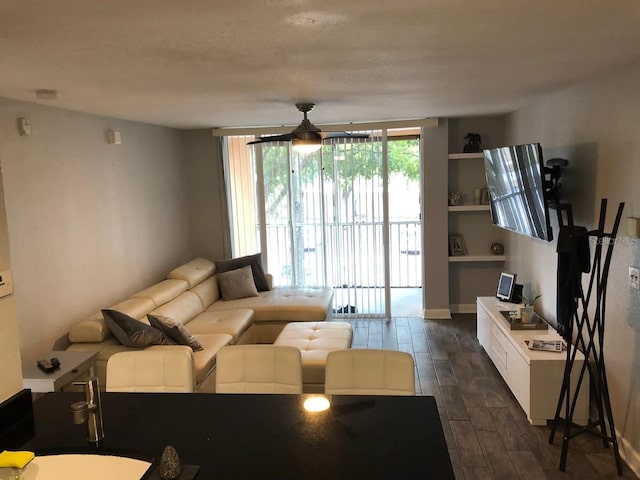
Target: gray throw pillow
[
  {"x": 133, "y": 333},
  {"x": 255, "y": 261},
  {"x": 175, "y": 331},
  {"x": 237, "y": 284}
]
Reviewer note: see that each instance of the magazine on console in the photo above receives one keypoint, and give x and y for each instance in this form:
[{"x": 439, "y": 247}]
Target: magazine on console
[{"x": 546, "y": 345}]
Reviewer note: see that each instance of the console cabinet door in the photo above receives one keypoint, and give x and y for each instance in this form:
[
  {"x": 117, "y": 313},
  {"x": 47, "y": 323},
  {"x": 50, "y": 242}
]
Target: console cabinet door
[
  {"x": 519, "y": 378},
  {"x": 498, "y": 350},
  {"x": 483, "y": 326}
]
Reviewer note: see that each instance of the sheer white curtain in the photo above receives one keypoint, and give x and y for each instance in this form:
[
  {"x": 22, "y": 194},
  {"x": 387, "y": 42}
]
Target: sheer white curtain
[{"x": 355, "y": 220}]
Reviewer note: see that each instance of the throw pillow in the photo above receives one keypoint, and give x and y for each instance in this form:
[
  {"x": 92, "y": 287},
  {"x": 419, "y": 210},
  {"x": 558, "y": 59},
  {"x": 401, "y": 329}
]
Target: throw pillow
[
  {"x": 255, "y": 261},
  {"x": 133, "y": 333},
  {"x": 175, "y": 331},
  {"x": 237, "y": 284}
]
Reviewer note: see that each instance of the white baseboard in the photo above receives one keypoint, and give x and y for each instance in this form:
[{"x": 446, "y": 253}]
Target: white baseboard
[
  {"x": 629, "y": 454},
  {"x": 464, "y": 308},
  {"x": 437, "y": 313}
]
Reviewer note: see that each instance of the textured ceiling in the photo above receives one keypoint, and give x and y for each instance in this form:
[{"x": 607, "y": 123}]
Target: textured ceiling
[{"x": 223, "y": 63}]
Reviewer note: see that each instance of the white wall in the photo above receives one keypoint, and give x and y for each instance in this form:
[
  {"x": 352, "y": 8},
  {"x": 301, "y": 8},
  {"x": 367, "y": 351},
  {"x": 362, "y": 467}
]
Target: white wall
[
  {"x": 89, "y": 223},
  {"x": 435, "y": 220},
  {"x": 596, "y": 126},
  {"x": 10, "y": 365},
  {"x": 205, "y": 173}
]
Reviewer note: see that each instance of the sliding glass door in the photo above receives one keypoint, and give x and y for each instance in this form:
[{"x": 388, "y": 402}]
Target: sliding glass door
[{"x": 323, "y": 218}]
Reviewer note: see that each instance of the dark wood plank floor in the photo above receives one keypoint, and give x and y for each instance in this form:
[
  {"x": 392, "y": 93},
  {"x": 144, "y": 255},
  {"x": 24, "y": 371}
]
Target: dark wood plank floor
[{"x": 487, "y": 432}]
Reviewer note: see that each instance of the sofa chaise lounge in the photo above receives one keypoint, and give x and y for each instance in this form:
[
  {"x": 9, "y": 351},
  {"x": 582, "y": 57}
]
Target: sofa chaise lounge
[{"x": 190, "y": 295}]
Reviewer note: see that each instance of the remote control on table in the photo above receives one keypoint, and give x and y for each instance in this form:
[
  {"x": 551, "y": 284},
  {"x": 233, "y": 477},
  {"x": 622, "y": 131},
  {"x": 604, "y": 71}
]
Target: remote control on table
[{"x": 48, "y": 366}]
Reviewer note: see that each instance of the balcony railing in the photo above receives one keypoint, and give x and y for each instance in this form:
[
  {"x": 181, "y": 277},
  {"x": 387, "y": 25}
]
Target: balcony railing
[{"x": 345, "y": 255}]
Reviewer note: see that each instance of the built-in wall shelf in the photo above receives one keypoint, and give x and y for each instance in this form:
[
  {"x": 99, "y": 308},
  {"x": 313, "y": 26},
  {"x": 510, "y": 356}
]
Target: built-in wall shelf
[
  {"x": 477, "y": 258},
  {"x": 465, "y": 156},
  {"x": 469, "y": 208},
  {"x": 469, "y": 220}
]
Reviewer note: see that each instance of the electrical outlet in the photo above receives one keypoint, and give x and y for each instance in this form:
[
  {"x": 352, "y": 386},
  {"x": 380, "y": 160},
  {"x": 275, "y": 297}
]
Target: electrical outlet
[{"x": 634, "y": 277}]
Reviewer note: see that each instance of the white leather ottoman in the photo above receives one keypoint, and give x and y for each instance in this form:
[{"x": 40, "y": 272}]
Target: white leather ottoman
[{"x": 315, "y": 340}]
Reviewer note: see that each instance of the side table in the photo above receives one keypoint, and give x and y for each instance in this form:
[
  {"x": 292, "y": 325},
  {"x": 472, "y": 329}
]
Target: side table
[{"x": 72, "y": 366}]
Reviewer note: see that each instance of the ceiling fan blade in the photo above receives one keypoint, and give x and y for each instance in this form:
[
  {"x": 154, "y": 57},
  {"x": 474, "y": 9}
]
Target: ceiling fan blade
[
  {"x": 343, "y": 135},
  {"x": 306, "y": 132},
  {"x": 273, "y": 138}
]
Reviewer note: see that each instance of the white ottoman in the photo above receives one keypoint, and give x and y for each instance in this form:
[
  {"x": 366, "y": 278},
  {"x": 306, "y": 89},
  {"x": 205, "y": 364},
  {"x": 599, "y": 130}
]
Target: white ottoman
[{"x": 315, "y": 340}]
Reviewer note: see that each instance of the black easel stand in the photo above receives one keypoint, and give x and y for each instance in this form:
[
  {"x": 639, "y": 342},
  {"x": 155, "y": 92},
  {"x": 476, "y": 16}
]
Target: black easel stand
[{"x": 588, "y": 336}]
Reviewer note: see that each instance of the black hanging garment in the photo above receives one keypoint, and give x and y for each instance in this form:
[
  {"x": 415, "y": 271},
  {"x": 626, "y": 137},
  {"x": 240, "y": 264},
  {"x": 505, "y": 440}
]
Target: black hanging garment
[{"x": 573, "y": 260}]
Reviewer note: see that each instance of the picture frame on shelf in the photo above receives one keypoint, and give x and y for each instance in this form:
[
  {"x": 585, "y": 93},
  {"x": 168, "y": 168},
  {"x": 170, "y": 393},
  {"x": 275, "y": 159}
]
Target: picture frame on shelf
[
  {"x": 455, "y": 199},
  {"x": 457, "y": 246}
]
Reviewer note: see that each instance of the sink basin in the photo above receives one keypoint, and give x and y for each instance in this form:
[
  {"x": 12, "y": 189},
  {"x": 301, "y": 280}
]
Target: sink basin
[{"x": 84, "y": 466}]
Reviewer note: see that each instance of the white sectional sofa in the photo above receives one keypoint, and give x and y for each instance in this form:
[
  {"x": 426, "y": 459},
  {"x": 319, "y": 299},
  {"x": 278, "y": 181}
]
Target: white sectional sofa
[{"x": 190, "y": 295}]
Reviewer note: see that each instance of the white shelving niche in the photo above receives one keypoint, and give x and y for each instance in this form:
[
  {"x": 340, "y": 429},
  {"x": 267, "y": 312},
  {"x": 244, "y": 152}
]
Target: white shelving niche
[{"x": 475, "y": 273}]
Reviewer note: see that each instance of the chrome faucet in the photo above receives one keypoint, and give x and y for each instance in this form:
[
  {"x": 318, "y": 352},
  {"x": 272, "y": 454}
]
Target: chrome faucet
[{"x": 90, "y": 410}]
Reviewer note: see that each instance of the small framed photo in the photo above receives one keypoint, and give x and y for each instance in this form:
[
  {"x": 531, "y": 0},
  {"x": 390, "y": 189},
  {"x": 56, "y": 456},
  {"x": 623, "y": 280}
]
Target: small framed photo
[{"x": 457, "y": 246}]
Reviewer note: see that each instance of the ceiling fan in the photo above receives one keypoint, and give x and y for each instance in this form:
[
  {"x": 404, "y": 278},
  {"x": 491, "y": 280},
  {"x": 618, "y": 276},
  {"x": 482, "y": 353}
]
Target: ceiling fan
[{"x": 306, "y": 137}]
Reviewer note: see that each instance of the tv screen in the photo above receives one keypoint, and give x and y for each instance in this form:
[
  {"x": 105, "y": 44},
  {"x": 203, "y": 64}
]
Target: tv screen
[{"x": 515, "y": 180}]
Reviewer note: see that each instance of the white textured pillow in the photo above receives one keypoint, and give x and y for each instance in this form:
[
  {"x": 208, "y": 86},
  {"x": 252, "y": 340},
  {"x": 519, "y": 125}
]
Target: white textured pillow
[{"x": 237, "y": 284}]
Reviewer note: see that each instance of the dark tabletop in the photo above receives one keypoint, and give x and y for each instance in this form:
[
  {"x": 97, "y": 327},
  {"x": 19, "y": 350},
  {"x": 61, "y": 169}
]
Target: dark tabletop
[{"x": 259, "y": 436}]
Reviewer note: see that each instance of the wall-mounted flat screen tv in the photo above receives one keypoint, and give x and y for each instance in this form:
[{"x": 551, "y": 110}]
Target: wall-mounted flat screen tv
[{"x": 515, "y": 180}]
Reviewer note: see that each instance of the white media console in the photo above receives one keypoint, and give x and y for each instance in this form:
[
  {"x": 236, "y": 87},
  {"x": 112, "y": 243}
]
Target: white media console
[{"x": 534, "y": 377}]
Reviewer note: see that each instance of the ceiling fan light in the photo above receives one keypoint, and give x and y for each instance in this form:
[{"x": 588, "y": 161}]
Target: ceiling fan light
[{"x": 306, "y": 146}]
